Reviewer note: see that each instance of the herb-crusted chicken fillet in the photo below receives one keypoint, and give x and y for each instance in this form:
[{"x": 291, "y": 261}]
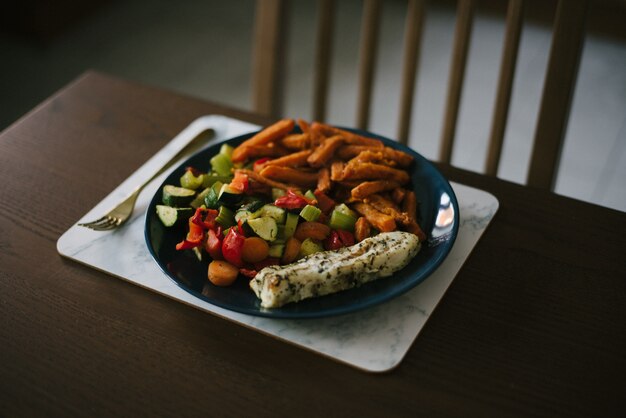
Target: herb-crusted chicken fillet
[{"x": 332, "y": 271}]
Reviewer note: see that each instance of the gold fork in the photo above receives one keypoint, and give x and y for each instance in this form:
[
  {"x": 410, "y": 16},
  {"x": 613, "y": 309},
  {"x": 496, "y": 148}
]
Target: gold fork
[{"x": 117, "y": 216}]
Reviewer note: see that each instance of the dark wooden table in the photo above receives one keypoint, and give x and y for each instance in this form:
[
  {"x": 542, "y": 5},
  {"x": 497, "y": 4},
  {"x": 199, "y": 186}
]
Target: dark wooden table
[{"x": 534, "y": 323}]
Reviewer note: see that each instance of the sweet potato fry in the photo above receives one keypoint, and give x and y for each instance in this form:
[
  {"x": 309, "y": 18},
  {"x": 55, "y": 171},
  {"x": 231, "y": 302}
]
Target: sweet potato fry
[
  {"x": 336, "y": 170},
  {"x": 369, "y": 156},
  {"x": 295, "y": 159},
  {"x": 297, "y": 141},
  {"x": 409, "y": 205},
  {"x": 370, "y": 187},
  {"x": 265, "y": 150},
  {"x": 269, "y": 134},
  {"x": 371, "y": 171},
  {"x": 287, "y": 174},
  {"x": 264, "y": 180},
  {"x": 398, "y": 195},
  {"x": 362, "y": 229},
  {"x": 388, "y": 207},
  {"x": 303, "y": 125},
  {"x": 348, "y": 152},
  {"x": 351, "y": 138},
  {"x": 379, "y": 220},
  {"x": 324, "y": 152},
  {"x": 323, "y": 180}
]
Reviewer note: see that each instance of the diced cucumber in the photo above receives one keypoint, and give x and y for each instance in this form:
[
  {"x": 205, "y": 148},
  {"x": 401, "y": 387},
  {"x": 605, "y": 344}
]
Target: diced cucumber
[
  {"x": 177, "y": 196},
  {"x": 170, "y": 216},
  {"x": 252, "y": 204},
  {"x": 271, "y": 211},
  {"x": 211, "y": 199},
  {"x": 291, "y": 223},
  {"x": 309, "y": 246},
  {"x": 190, "y": 181},
  {"x": 276, "y": 250},
  {"x": 242, "y": 215},
  {"x": 229, "y": 196},
  {"x": 199, "y": 199},
  {"x": 264, "y": 227},
  {"x": 310, "y": 213},
  {"x": 225, "y": 217},
  {"x": 276, "y": 193}
]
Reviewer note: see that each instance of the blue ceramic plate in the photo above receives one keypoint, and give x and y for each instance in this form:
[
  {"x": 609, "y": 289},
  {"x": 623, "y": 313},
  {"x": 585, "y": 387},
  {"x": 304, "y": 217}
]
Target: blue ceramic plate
[{"x": 438, "y": 210}]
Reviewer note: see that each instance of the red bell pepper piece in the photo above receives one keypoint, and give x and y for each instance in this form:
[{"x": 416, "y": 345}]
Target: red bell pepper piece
[
  {"x": 346, "y": 237},
  {"x": 248, "y": 273},
  {"x": 232, "y": 246},
  {"x": 332, "y": 242},
  {"x": 194, "y": 236},
  {"x": 292, "y": 200},
  {"x": 213, "y": 244},
  {"x": 239, "y": 182},
  {"x": 204, "y": 218},
  {"x": 339, "y": 238}
]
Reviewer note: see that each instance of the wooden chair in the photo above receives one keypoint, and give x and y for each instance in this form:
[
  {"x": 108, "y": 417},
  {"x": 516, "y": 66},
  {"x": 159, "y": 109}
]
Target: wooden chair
[{"x": 562, "y": 68}]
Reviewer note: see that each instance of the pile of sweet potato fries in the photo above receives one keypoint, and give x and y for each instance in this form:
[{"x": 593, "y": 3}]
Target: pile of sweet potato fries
[{"x": 340, "y": 166}]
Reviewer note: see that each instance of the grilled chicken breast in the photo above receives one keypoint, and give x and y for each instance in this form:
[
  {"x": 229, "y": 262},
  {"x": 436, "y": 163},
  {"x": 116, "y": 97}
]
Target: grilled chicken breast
[{"x": 332, "y": 271}]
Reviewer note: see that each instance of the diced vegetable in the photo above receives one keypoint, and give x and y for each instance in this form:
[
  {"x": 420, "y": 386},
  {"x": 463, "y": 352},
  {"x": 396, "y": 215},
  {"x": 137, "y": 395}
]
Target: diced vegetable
[
  {"x": 227, "y": 150},
  {"x": 292, "y": 249},
  {"x": 211, "y": 200},
  {"x": 291, "y": 223},
  {"x": 276, "y": 193},
  {"x": 225, "y": 217},
  {"x": 309, "y": 195},
  {"x": 177, "y": 196},
  {"x": 276, "y": 250},
  {"x": 191, "y": 181},
  {"x": 264, "y": 227},
  {"x": 232, "y": 246},
  {"x": 254, "y": 250},
  {"x": 315, "y": 230},
  {"x": 222, "y": 273},
  {"x": 309, "y": 246},
  {"x": 343, "y": 208},
  {"x": 242, "y": 215},
  {"x": 269, "y": 210},
  {"x": 228, "y": 196},
  {"x": 209, "y": 180},
  {"x": 339, "y": 220},
  {"x": 292, "y": 200},
  {"x": 170, "y": 216},
  {"x": 213, "y": 245},
  {"x": 310, "y": 213},
  {"x": 221, "y": 164}
]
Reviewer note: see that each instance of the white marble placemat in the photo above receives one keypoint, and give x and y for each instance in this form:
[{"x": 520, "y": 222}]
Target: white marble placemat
[{"x": 375, "y": 339}]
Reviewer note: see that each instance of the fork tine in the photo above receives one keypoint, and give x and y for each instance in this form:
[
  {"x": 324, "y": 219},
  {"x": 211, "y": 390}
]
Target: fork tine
[{"x": 102, "y": 224}]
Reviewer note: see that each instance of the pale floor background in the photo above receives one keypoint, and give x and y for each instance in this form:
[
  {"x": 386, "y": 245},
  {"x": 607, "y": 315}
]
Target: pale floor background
[{"x": 202, "y": 48}]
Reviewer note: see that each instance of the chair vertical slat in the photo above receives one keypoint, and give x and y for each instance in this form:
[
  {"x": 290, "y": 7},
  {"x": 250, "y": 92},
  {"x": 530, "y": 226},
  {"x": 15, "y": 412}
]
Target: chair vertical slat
[
  {"x": 565, "y": 53},
  {"x": 465, "y": 14},
  {"x": 514, "y": 22},
  {"x": 412, "y": 41},
  {"x": 268, "y": 58},
  {"x": 367, "y": 55},
  {"x": 323, "y": 52}
]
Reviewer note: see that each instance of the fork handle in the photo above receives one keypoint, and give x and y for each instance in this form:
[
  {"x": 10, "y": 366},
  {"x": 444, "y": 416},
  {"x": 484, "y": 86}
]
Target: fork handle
[{"x": 194, "y": 144}]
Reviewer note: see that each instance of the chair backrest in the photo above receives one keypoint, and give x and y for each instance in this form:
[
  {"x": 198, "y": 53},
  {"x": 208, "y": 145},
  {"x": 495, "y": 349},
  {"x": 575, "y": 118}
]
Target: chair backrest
[{"x": 567, "y": 40}]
